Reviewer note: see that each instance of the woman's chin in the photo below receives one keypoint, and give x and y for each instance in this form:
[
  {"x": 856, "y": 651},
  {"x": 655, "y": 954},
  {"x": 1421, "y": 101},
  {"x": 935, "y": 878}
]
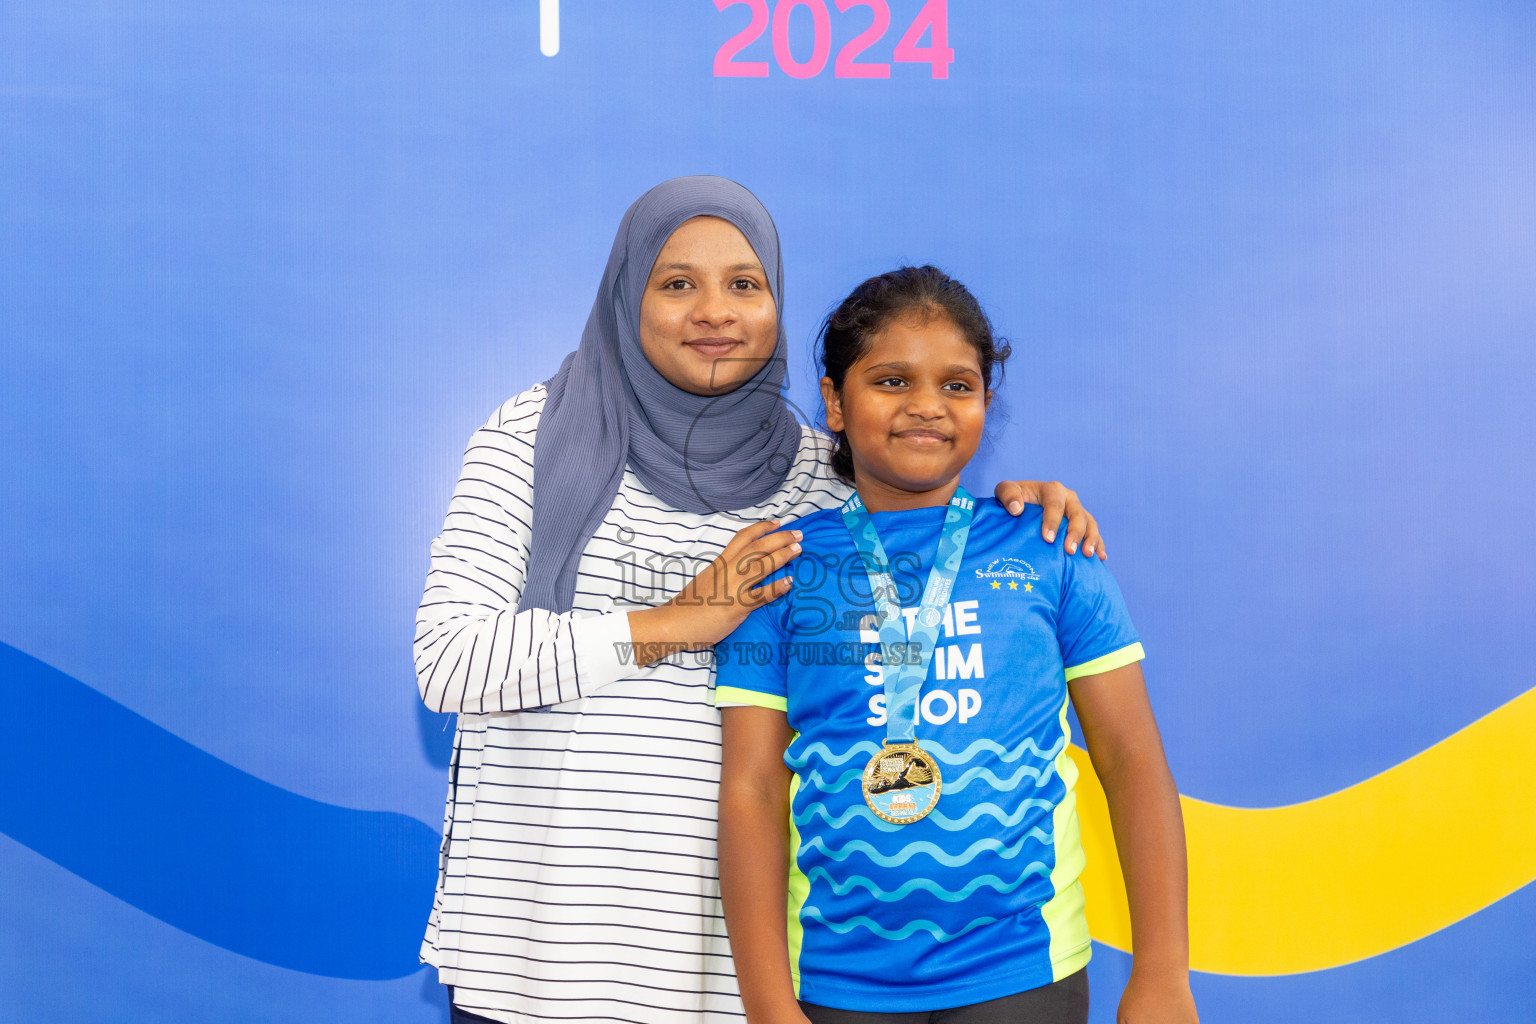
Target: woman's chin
[{"x": 714, "y": 377}]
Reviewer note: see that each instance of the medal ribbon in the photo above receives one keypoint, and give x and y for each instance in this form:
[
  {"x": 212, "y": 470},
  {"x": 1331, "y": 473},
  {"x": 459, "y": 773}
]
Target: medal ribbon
[{"x": 904, "y": 679}]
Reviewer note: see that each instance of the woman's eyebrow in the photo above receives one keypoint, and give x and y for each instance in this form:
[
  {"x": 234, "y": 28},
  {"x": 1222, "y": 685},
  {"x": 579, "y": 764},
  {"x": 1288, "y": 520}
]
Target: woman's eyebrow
[{"x": 735, "y": 269}]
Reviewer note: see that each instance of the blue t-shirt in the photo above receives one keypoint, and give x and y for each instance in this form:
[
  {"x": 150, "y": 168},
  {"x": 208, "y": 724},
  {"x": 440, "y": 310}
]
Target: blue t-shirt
[{"x": 980, "y": 899}]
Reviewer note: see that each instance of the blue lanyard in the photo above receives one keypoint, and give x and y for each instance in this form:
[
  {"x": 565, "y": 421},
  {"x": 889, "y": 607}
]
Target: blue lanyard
[{"x": 904, "y": 679}]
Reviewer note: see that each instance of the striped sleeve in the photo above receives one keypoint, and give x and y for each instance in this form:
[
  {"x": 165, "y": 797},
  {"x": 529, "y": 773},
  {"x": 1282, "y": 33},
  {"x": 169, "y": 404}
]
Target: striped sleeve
[{"x": 475, "y": 652}]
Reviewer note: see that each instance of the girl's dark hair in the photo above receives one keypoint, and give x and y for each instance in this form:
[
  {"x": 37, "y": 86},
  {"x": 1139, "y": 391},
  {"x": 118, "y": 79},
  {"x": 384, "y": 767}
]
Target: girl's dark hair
[{"x": 923, "y": 292}]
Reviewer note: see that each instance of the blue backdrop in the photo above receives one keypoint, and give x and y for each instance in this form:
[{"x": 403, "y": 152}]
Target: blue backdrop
[{"x": 1270, "y": 270}]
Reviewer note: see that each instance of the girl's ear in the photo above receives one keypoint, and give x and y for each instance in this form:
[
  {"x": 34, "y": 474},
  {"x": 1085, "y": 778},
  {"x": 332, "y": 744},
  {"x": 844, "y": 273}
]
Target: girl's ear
[
  {"x": 988, "y": 404},
  {"x": 833, "y": 400}
]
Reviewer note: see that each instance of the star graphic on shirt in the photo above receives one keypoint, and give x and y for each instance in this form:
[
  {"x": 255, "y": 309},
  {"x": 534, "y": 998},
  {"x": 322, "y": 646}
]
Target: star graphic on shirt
[
  {"x": 1012, "y": 585},
  {"x": 1029, "y": 586},
  {"x": 996, "y": 585}
]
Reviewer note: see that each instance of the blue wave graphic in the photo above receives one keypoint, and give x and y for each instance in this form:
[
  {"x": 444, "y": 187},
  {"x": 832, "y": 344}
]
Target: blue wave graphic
[
  {"x": 201, "y": 845},
  {"x": 839, "y": 784},
  {"x": 861, "y": 811},
  {"x": 948, "y": 824},
  {"x": 842, "y": 888},
  {"x": 977, "y": 810},
  {"x": 1006, "y": 756},
  {"x": 905, "y": 931},
  {"x": 1041, "y": 776},
  {"x": 938, "y": 853},
  {"x": 870, "y": 749},
  {"x": 866, "y": 748}
]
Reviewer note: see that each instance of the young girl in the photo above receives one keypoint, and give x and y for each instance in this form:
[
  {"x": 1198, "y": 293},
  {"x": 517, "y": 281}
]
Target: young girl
[{"x": 895, "y": 745}]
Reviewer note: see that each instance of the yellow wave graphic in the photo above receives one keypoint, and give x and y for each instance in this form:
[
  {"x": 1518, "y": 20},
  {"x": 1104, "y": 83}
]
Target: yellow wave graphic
[{"x": 1282, "y": 890}]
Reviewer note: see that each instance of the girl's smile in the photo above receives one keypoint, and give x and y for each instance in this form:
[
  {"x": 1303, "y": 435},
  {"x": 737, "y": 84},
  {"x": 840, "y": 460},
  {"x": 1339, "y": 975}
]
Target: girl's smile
[{"x": 913, "y": 408}]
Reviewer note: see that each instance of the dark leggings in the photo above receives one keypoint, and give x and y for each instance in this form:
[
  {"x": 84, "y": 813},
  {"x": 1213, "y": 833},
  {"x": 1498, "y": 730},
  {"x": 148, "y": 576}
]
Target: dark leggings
[
  {"x": 1061, "y": 1002},
  {"x": 458, "y": 1016}
]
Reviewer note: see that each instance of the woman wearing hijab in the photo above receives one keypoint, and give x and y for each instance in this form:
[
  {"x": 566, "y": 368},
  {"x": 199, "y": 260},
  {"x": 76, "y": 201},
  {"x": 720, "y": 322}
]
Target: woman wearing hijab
[{"x": 577, "y": 879}]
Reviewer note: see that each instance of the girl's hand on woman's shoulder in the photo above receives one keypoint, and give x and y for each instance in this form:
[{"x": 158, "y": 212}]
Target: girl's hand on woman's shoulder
[
  {"x": 717, "y": 600},
  {"x": 1056, "y": 500},
  {"x": 1157, "y": 998}
]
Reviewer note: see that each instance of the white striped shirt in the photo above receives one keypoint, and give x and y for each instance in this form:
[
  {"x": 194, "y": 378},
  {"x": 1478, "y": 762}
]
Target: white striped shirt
[{"x": 577, "y": 879}]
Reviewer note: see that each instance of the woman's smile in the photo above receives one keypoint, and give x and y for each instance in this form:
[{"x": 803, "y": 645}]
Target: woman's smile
[{"x": 714, "y": 348}]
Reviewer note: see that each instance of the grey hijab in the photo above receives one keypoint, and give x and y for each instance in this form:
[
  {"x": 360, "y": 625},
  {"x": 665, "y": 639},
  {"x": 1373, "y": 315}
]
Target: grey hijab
[{"x": 608, "y": 407}]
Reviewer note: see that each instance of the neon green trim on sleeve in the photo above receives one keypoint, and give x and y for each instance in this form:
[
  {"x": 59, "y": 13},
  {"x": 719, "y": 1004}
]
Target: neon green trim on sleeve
[
  {"x": 736, "y": 695},
  {"x": 1114, "y": 659}
]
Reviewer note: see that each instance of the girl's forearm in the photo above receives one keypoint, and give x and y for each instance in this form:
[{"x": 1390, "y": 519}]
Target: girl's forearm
[
  {"x": 1144, "y": 812},
  {"x": 1149, "y": 834},
  {"x": 754, "y": 844}
]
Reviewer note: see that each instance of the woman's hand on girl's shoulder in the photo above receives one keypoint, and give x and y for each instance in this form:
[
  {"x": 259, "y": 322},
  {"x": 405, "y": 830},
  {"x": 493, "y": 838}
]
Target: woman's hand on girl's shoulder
[
  {"x": 719, "y": 598},
  {"x": 1157, "y": 998},
  {"x": 1057, "y": 500}
]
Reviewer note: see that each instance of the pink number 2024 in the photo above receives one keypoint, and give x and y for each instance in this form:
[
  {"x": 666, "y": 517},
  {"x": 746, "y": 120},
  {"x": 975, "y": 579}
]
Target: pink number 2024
[{"x": 932, "y": 21}]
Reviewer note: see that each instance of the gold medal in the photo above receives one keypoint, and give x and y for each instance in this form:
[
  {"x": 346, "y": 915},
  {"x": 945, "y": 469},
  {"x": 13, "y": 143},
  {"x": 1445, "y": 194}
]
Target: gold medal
[{"x": 902, "y": 783}]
